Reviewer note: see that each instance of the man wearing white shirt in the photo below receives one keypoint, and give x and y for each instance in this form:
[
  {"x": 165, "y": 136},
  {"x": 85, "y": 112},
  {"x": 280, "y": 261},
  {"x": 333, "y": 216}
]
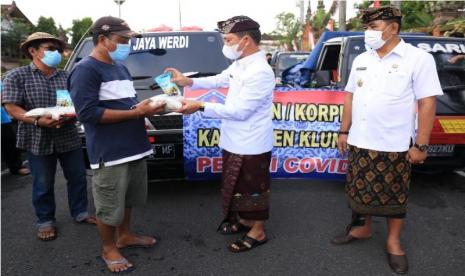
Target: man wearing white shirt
[
  {"x": 246, "y": 130},
  {"x": 385, "y": 86}
]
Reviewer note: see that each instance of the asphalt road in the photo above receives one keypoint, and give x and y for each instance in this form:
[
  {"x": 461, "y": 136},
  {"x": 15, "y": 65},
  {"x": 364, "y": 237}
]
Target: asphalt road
[{"x": 304, "y": 216}]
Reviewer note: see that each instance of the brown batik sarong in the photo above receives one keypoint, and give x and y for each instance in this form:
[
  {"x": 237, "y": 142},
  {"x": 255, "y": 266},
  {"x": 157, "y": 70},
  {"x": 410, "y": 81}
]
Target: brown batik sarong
[
  {"x": 246, "y": 186},
  {"x": 378, "y": 182}
]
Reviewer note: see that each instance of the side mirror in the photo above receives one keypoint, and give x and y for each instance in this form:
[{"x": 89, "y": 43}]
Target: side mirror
[{"x": 322, "y": 78}]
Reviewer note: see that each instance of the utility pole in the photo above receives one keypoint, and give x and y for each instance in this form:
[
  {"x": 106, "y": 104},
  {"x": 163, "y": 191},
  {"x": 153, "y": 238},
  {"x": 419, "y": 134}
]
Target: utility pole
[
  {"x": 119, "y": 3},
  {"x": 396, "y": 4},
  {"x": 179, "y": 11},
  {"x": 300, "y": 4},
  {"x": 342, "y": 14}
]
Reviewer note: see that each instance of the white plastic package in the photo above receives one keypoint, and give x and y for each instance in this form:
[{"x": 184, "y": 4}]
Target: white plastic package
[
  {"x": 56, "y": 111},
  {"x": 173, "y": 103}
]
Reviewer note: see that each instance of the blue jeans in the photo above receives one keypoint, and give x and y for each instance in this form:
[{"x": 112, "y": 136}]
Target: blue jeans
[{"x": 43, "y": 169}]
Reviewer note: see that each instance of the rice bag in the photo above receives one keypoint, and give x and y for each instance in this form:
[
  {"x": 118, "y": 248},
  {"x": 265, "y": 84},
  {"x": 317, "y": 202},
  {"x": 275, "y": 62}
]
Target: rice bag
[
  {"x": 173, "y": 103},
  {"x": 170, "y": 88},
  {"x": 57, "y": 112}
]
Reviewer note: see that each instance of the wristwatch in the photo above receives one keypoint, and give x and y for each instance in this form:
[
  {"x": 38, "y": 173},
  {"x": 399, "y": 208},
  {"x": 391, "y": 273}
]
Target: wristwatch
[
  {"x": 202, "y": 106},
  {"x": 36, "y": 121},
  {"x": 421, "y": 147}
]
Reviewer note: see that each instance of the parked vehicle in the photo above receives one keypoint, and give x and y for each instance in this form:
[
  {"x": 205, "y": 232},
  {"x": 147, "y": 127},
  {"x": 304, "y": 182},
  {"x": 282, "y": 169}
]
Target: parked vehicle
[
  {"x": 329, "y": 64},
  {"x": 281, "y": 61}
]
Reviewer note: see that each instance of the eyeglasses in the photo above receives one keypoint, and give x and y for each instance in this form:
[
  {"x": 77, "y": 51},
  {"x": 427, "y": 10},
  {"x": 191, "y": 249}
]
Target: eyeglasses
[{"x": 52, "y": 48}]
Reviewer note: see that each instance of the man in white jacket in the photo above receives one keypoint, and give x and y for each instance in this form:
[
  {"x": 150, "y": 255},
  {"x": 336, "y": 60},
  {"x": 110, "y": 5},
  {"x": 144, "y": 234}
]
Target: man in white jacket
[{"x": 246, "y": 130}]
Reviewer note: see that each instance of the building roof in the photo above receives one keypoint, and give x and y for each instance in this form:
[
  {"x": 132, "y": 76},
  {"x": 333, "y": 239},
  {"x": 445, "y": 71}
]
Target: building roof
[{"x": 12, "y": 11}]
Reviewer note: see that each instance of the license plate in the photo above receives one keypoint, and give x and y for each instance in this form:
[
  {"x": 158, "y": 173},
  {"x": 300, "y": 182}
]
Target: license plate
[
  {"x": 441, "y": 150},
  {"x": 163, "y": 151}
]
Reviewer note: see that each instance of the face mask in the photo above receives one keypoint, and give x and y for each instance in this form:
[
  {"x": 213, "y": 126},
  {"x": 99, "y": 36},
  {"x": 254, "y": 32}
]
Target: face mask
[
  {"x": 374, "y": 39},
  {"x": 121, "y": 52},
  {"x": 51, "y": 58},
  {"x": 231, "y": 52}
]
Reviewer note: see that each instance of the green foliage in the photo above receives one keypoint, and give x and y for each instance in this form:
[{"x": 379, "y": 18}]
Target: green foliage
[
  {"x": 63, "y": 62},
  {"x": 47, "y": 25},
  {"x": 289, "y": 29},
  {"x": 415, "y": 14},
  {"x": 79, "y": 28},
  {"x": 24, "y": 61}
]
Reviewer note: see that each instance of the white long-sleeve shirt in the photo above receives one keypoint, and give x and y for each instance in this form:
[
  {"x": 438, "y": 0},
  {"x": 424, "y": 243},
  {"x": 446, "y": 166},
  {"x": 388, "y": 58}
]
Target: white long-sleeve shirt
[{"x": 246, "y": 126}]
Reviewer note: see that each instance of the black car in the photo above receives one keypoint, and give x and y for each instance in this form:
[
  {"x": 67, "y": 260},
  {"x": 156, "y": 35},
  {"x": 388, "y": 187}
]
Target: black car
[
  {"x": 199, "y": 53},
  {"x": 281, "y": 61}
]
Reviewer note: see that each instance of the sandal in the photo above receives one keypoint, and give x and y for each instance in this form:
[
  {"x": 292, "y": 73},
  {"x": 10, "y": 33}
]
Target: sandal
[
  {"x": 122, "y": 261},
  {"x": 49, "y": 231},
  {"x": 245, "y": 244},
  {"x": 228, "y": 228}
]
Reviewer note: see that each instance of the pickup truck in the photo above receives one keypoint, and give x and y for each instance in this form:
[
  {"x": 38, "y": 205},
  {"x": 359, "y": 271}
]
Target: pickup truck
[
  {"x": 329, "y": 65},
  {"x": 197, "y": 52}
]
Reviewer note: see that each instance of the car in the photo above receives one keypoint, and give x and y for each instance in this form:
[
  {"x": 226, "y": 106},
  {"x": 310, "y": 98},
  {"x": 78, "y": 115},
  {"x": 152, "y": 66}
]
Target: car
[
  {"x": 281, "y": 61},
  {"x": 197, "y": 52},
  {"x": 329, "y": 64}
]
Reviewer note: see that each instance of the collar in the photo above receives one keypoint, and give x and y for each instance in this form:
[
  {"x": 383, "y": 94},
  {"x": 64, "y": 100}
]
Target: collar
[
  {"x": 250, "y": 58},
  {"x": 399, "y": 49},
  {"x": 34, "y": 68}
]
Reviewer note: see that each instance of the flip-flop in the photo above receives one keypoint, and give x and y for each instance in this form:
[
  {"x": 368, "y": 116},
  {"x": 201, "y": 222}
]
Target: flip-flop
[
  {"x": 241, "y": 244},
  {"x": 139, "y": 245},
  {"x": 116, "y": 262},
  {"x": 52, "y": 230}
]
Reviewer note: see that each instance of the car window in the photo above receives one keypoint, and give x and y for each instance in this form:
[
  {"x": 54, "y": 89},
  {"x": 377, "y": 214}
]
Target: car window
[{"x": 288, "y": 60}]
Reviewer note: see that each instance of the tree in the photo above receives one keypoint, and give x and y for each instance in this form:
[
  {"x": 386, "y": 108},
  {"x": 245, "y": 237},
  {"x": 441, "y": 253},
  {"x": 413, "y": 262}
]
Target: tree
[
  {"x": 47, "y": 25},
  {"x": 288, "y": 29},
  {"x": 11, "y": 40},
  {"x": 79, "y": 29},
  {"x": 414, "y": 14}
]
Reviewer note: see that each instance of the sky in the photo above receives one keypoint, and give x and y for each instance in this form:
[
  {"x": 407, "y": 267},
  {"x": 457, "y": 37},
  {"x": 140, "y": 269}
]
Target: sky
[{"x": 145, "y": 14}]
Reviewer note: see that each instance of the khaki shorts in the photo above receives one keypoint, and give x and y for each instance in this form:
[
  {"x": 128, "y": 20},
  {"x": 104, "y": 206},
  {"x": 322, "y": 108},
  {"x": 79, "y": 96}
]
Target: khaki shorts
[{"x": 118, "y": 187}]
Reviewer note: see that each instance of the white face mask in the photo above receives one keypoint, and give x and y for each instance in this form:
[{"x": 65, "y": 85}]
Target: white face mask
[
  {"x": 231, "y": 52},
  {"x": 374, "y": 39}
]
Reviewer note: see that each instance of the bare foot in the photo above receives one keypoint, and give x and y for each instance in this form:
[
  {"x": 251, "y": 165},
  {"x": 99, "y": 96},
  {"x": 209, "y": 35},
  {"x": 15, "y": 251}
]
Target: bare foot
[
  {"x": 24, "y": 171},
  {"x": 115, "y": 261},
  {"x": 361, "y": 232},
  {"x": 393, "y": 247},
  {"x": 135, "y": 241},
  {"x": 90, "y": 220},
  {"x": 246, "y": 223}
]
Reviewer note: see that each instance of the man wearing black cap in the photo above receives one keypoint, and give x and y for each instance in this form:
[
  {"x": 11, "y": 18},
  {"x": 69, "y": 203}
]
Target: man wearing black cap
[
  {"x": 46, "y": 140},
  {"x": 246, "y": 130},
  {"x": 105, "y": 100},
  {"x": 385, "y": 86}
]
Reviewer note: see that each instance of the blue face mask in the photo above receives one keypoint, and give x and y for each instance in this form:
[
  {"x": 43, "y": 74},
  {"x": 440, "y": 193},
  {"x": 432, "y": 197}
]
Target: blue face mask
[
  {"x": 51, "y": 58},
  {"x": 121, "y": 52}
]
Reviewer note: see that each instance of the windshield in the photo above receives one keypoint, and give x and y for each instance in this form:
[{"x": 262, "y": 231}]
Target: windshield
[
  {"x": 151, "y": 54},
  {"x": 288, "y": 60},
  {"x": 448, "y": 54}
]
